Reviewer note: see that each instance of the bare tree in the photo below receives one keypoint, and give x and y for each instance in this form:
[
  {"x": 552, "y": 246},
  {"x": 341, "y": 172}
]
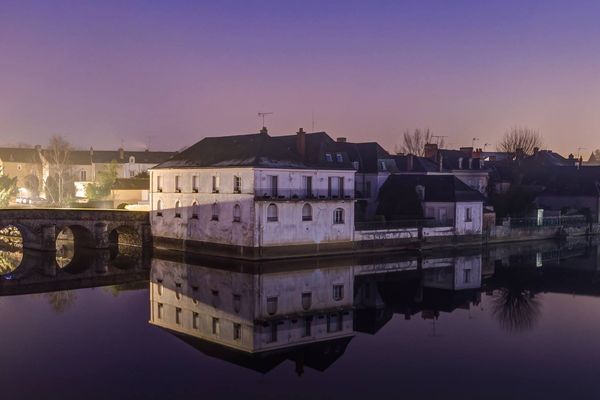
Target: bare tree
[
  {"x": 414, "y": 142},
  {"x": 58, "y": 155},
  {"x": 522, "y": 138}
]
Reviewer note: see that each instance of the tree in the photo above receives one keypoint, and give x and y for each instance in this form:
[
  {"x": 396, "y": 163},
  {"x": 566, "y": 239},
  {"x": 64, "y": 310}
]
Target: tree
[
  {"x": 8, "y": 188},
  {"x": 105, "y": 180},
  {"x": 414, "y": 142},
  {"x": 59, "y": 154},
  {"x": 32, "y": 184},
  {"x": 520, "y": 138}
]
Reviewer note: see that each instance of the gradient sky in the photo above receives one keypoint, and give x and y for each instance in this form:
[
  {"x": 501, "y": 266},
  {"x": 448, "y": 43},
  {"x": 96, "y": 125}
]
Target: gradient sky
[{"x": 172, "y": 72}]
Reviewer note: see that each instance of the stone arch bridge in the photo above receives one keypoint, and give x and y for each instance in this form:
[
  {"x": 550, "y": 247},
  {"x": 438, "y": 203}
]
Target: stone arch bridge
[{"x": 92, "y": 228}]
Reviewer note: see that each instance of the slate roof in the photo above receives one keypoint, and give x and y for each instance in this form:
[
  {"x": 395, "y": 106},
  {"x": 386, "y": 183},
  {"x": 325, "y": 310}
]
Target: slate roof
[
  {"x": 19, "y": 155},
  {"x": 450, "y": 160},
  {"x": 131, "y": 184},
  {"x": 261, "y": 150},
  {"x": 87, "y": 157},
  {"x": 549, "y": 158},
  {"x": 419, "y": 164},
  {"x": 369, "y": 156},
  {"x": 398, "y": 196}
]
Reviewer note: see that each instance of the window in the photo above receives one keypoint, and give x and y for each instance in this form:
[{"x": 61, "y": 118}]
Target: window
[
  {"x": 159, "y": 208},
  {"x": 194, "y": 210},
  {"x": 237, "y": 331},
  {"x": 335, "y": 186},
  {"x": 215, "y": 326},
  {"x": 271, "y": 305},
  {"x": 272, "y": 213},
  {"x": 468, "y": 215},
  {"x": 338, "y": 292},
  {"x": 132, "y": 174},
  {"x": 131, "y": 160},
  {"x": 237, "y": 184},
  {"x": 237, "y": 302},
  {"x": 338, "y": 216},
  {"x": 328, "y": 157},
  {"x": 334, "y": 322},
  {"x": 273, "y": 337},
  {"x": 237, "y": 213},
  {"x": 177, "y": 184},
  {"x": 159, "y": 183},
  {"x": 195, "y": 184},
  {"x": 159, "y": 310},
  {"x": 178, "y": 316},
  {"x": 339, "y": 158},
  {"x": 467, "y": 276},
  {"x": 83, "y": 175},
  {"x": 177, "y": 209},
  {"x": 195, "y": 320},
  {"x": 307, "y": 212},
  {"x": 306, "y": 300},
  {"x": 215, "y": 184},
  {"x": 307, "y": 327},
  {"x": 274, "y": 181},
  {"x": 308, "y": 192},
  {"x": 215, "y": 212}
]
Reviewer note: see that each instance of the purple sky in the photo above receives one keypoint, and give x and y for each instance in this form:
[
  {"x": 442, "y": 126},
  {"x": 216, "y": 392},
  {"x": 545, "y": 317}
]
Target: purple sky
[{"x": 172, "y": 72}]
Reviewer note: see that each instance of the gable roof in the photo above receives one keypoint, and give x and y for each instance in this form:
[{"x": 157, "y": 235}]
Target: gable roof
[
  {"x": 19, "y": 155},
  {"x": 262, "y": 150}
]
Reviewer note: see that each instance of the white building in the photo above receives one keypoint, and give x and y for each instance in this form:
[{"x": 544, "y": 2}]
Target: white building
[{"x": 255, "y": 195}]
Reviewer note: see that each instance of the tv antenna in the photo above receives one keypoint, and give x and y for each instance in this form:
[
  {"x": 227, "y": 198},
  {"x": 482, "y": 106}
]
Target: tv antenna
[
  {"x": 262, "y": 115},
  {"x": 439, "y": 139}
]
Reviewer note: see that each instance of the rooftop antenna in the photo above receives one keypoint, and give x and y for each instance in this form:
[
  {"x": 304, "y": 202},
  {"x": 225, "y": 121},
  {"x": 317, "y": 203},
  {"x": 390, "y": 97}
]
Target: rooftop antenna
[
  {"x": 439, "y": 139},
  {"x": 262, "y": 115},
  {"x": 473, "y": 142}
]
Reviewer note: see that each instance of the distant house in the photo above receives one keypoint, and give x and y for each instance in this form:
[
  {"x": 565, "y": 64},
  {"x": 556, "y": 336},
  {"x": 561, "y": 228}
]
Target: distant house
[
  {"x": 131, "y": 191},
  {"x": 26, "y": 164},
  {"x": 250, "y": 194},
  {"x": 444, "y": 199}
]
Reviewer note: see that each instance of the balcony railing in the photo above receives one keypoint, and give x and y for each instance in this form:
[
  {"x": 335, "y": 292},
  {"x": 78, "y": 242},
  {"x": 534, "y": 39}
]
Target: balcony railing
[
  {"x": 401, "y": 224},
  {"x": 302, "y": 194}
]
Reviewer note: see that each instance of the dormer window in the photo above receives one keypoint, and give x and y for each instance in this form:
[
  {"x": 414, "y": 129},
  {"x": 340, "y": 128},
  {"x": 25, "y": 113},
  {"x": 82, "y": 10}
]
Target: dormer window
[
  {"x": 339, "y": 158},
  {"x": 382, "y": 165},
  {"x": 131, "y": 160},
  {"x": 328, "y": 157}
]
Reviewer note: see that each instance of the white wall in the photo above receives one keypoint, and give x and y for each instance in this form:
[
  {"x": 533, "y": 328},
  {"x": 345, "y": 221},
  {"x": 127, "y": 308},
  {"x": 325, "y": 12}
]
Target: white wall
[{"x": 473, "y": 227}]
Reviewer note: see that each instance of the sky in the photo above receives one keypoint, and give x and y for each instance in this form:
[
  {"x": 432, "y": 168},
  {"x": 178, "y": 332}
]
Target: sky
[{"x": 165, "y": 74}]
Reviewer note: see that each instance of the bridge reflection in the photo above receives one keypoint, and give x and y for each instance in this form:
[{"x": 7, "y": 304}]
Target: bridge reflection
[{"x": 258, "y": 315}]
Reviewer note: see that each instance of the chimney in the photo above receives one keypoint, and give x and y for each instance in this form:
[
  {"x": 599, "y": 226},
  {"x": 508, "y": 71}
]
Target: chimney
[
  {"x": 341, "y": 140},
  {"x": 409, "y": 162},
  {"x": 441, "y": 160},
  {"x": 580, "y": 163},
  {"x": 301, "y": 142},
  {"x": 264, "y": 130},
  {"x": 477, "y": 153},
  {"x": 431, "y": 151},
  {"x": 91, "y": 152},
  {"x": 121, "y": 153},
  {"x": 468, "y": 151}
]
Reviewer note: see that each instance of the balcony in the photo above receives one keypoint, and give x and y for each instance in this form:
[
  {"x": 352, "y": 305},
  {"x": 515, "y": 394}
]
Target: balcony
[{"x": 268, "y": 194}]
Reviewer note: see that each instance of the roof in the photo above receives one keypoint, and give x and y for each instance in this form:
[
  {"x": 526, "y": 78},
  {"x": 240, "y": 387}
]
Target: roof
[
  {"x": 131, "y": 184},
  {"x": 262, "y": 150},
  {"x": 368, "y": 156},
  {"x": 419, "y": 164},
  {"x": 451, "y": 160},
  {"x": 549, "y": 158},
  {"x": 398, "y": 196},
  {"x": 87, "y": 157},
  {"x": 20, "y": 155}
]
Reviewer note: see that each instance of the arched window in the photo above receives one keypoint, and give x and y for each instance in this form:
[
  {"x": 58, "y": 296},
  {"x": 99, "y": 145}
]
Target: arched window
[
  {"x": 132, "y": 160},
  {"x": 195, "y": 210},
  {"x": 237, "y": 213},
  {"x": 307, "y": 212},
  {"x": 272, "y": 213},
  {"x": 338, "y": 216},
  {"x": 177, "y": 209},
  {"x": 215, "y": 212},
  {"x": 159, "y": 208}
]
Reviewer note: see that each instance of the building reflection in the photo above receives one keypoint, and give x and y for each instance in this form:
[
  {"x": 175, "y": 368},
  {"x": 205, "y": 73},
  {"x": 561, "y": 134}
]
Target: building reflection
[{"x": 258, "y": 315}]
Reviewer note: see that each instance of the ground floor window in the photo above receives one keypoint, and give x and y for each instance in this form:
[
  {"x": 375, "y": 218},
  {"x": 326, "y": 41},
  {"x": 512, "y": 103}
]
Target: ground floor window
[{"x": 338, "y": 216}]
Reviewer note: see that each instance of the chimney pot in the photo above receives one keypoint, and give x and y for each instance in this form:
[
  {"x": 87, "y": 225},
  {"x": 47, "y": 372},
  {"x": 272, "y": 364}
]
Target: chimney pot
[
  {"x": 264, "y": 130},
  {"x": 431, "y": 151}
]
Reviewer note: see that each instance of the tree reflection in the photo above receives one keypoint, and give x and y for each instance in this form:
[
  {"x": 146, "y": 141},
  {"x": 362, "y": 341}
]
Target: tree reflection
[
  {"x": 61, "y": 301},
  {"x": 514, "y": 304},
  {"x": 9, "y": 261}
]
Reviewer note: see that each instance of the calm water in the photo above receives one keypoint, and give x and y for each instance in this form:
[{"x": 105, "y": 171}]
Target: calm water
[{"x": 519, "y": 321}]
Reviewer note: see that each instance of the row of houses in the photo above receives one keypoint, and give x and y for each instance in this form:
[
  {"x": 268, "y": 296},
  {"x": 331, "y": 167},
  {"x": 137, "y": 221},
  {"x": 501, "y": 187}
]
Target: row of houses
[
  {"x": 306, "y": 193},
  {"x": 34, "y": 166}
]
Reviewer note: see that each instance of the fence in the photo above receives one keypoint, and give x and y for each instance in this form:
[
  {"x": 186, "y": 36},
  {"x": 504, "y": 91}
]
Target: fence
[
  {"x": 302, "y": 194},
  {"x": 564, "y": 221}
]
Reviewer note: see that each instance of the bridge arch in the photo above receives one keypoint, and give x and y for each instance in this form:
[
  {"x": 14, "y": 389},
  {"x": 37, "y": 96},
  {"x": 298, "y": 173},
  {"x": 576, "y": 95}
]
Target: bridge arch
[{"x": 79, "y": 235}]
